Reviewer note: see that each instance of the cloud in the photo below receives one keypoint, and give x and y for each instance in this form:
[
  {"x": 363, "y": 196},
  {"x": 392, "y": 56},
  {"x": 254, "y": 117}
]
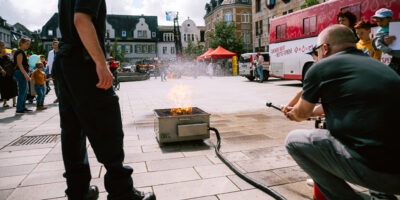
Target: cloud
[{"x": 34, "y": 14}]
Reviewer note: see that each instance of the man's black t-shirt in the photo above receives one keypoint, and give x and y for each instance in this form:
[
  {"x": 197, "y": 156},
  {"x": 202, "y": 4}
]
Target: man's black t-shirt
[
  {"x": 360, "y": 97},
  {"x": 67, "y": 9}
]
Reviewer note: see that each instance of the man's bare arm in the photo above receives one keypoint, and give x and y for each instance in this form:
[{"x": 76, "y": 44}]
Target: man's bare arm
[{"x": 88, "y": 35}]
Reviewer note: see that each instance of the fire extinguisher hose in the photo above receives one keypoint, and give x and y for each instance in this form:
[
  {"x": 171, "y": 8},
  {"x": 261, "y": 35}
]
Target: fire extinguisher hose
[{"x": 243, "y": 176}]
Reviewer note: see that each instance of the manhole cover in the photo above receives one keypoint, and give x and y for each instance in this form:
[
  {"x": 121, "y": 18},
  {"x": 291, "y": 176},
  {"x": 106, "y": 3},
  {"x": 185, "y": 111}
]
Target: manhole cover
[{"x": 36, "y": 139}]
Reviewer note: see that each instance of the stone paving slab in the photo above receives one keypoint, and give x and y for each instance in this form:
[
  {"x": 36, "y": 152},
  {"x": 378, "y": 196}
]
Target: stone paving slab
[{"x": 192, "y": 189}]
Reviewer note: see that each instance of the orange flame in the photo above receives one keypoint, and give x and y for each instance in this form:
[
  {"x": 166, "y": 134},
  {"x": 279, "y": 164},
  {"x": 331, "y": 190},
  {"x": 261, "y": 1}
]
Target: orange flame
[{"x": 181, "y": 96}]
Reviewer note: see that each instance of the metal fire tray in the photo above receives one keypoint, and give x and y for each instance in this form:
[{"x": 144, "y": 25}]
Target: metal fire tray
[{"x": 184, "y": 127}]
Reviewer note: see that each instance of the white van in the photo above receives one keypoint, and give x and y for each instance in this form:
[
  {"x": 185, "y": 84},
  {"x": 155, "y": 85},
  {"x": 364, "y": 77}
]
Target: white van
[{"x": 246, "y": 69}]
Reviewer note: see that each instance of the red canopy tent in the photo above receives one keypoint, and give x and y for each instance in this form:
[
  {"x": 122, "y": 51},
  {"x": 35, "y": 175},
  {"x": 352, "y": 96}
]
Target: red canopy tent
[
  {"x": 220, "y": 52},
  {"x": 202, "y": 56}
]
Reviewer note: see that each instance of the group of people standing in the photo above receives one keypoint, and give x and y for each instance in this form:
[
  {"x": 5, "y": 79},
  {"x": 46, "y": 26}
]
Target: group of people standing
[
  {"x": 381, "y": 40},
  {"x": 17, "y": 75}
]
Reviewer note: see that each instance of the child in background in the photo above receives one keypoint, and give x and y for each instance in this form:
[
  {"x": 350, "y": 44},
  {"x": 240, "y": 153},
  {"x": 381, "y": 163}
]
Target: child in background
[
  {"x": 363, "y": 30},
  {"x": 382, "y": 39},
  {"x": 39, "y": 79}
]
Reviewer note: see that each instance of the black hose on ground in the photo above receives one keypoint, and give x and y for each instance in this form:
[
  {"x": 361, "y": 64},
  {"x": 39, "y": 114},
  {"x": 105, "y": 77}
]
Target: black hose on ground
[{"x": 265, "y": 189}]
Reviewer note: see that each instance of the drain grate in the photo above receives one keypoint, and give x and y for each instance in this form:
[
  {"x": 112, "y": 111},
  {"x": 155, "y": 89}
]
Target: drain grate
[{"x": 36, "y": 139}]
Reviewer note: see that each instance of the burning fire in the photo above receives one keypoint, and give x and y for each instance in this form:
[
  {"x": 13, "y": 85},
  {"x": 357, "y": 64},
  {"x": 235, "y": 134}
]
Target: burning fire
[{"x": 181, "y": 96}]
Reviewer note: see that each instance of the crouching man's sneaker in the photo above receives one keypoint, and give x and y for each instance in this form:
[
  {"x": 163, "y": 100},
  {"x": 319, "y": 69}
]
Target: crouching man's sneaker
[
  {"x": 138, "y": 195},
  {"x": 381, "y": 196}
]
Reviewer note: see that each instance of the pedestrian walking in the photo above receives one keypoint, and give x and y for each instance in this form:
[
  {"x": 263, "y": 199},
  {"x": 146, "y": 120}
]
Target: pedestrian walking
[{"x": 87, "y": 103}]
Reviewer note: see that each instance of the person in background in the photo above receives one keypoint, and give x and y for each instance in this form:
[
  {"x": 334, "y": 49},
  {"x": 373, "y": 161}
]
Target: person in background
[
  {"x": 260, "y": 62},
  {"x": 8, "y": 86},
  {"x": 163, "y": 70},
  {"x": 39, "y": 79},
  {"x": 210, "y": 69},
  {"x": 363, "y": 30},
  {"x": 348, "y": 19},
  {"x": 88, "y": 102},
  {"x": 382, "y": 38},
  {"x": 113, "y": 65},
  {"x": 45, "y": 70},
  {"x": 21, "y": 74},
  {"x": 361, "y": 139},
  {"x": 50, "y": 69}
]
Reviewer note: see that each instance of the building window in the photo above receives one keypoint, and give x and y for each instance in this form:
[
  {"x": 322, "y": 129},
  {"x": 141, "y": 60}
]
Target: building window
[
  {"x": 287, "y": 12},
  {"x": 138, "y": 49},
  {"x": 123, "y": 33},
  {"x": 152, "y": 49},
  {"x": 228, "y": 16},
  {"x": 258, "y": 5},
  {"x": 144, "y": 34},
  {"x": 192, "y": 37},
  {"x": 164, "y": 50},
  {"x": 50, "y": 32},
  {"x": 246, "y": 18},
  {"x": 246, "y": 37},
  {"x": 245, "y": 1},
  {"x": 281, "y": 31},
  {"x": 127, "y": 49},
  {"x": 309, "y": 25},
  {"x": 145, "y": 49},
  {"x": 259, "y": 29},
  {"x": 270, "y": 4},
  {"x": 172, "y": 50},
  {"x": 153, "y": 34},
  {"x": 140, "y": 34},
  {"x": 184, "y": 37}
]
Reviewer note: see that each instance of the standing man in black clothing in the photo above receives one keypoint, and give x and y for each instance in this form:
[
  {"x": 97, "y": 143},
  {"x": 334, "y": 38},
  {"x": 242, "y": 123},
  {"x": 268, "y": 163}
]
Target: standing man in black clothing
[{"x": 87, "y": 102}]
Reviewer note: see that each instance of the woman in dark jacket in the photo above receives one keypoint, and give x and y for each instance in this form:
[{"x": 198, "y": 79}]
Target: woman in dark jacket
[{"x": 8, "y": 86}]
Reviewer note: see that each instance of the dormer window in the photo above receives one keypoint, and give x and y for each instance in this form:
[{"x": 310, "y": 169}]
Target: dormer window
[
  {"x": 123, "y": 33},
  {"x": 50, "y": 32}
]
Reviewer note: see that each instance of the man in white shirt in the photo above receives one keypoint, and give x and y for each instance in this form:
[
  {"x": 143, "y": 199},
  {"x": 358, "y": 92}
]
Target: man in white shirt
[{"x": 50, "y": 60}]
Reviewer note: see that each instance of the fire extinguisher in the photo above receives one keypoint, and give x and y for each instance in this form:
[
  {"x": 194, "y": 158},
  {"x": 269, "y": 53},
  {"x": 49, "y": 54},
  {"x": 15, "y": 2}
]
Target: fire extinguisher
[{"x": 320, "y": 123}]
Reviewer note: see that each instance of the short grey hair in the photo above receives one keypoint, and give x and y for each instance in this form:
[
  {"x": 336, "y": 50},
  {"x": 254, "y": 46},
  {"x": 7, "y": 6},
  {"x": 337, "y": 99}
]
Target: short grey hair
[{"x": 336, "y": 35}]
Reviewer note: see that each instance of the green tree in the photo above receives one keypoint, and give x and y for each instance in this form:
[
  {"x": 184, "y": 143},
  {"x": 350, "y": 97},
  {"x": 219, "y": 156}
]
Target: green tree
[
  {"x": 117, "y": 54},
  {"x": 224, "y": 35},
  {"x": 193, "y": 50},
  {"x": 207, "y": 8},
  {"x": 309, "y": 3},
  {"x": 36, "y": 46},
  {"x": 213, "y": 4}
]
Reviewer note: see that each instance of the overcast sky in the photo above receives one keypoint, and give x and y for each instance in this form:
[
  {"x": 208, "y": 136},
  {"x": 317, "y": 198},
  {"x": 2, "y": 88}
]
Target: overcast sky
[{"x": 35, "y": 13}]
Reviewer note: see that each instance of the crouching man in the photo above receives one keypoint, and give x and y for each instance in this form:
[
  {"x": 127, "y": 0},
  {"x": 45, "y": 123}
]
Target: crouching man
[{"x": 359, "y": 96}]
